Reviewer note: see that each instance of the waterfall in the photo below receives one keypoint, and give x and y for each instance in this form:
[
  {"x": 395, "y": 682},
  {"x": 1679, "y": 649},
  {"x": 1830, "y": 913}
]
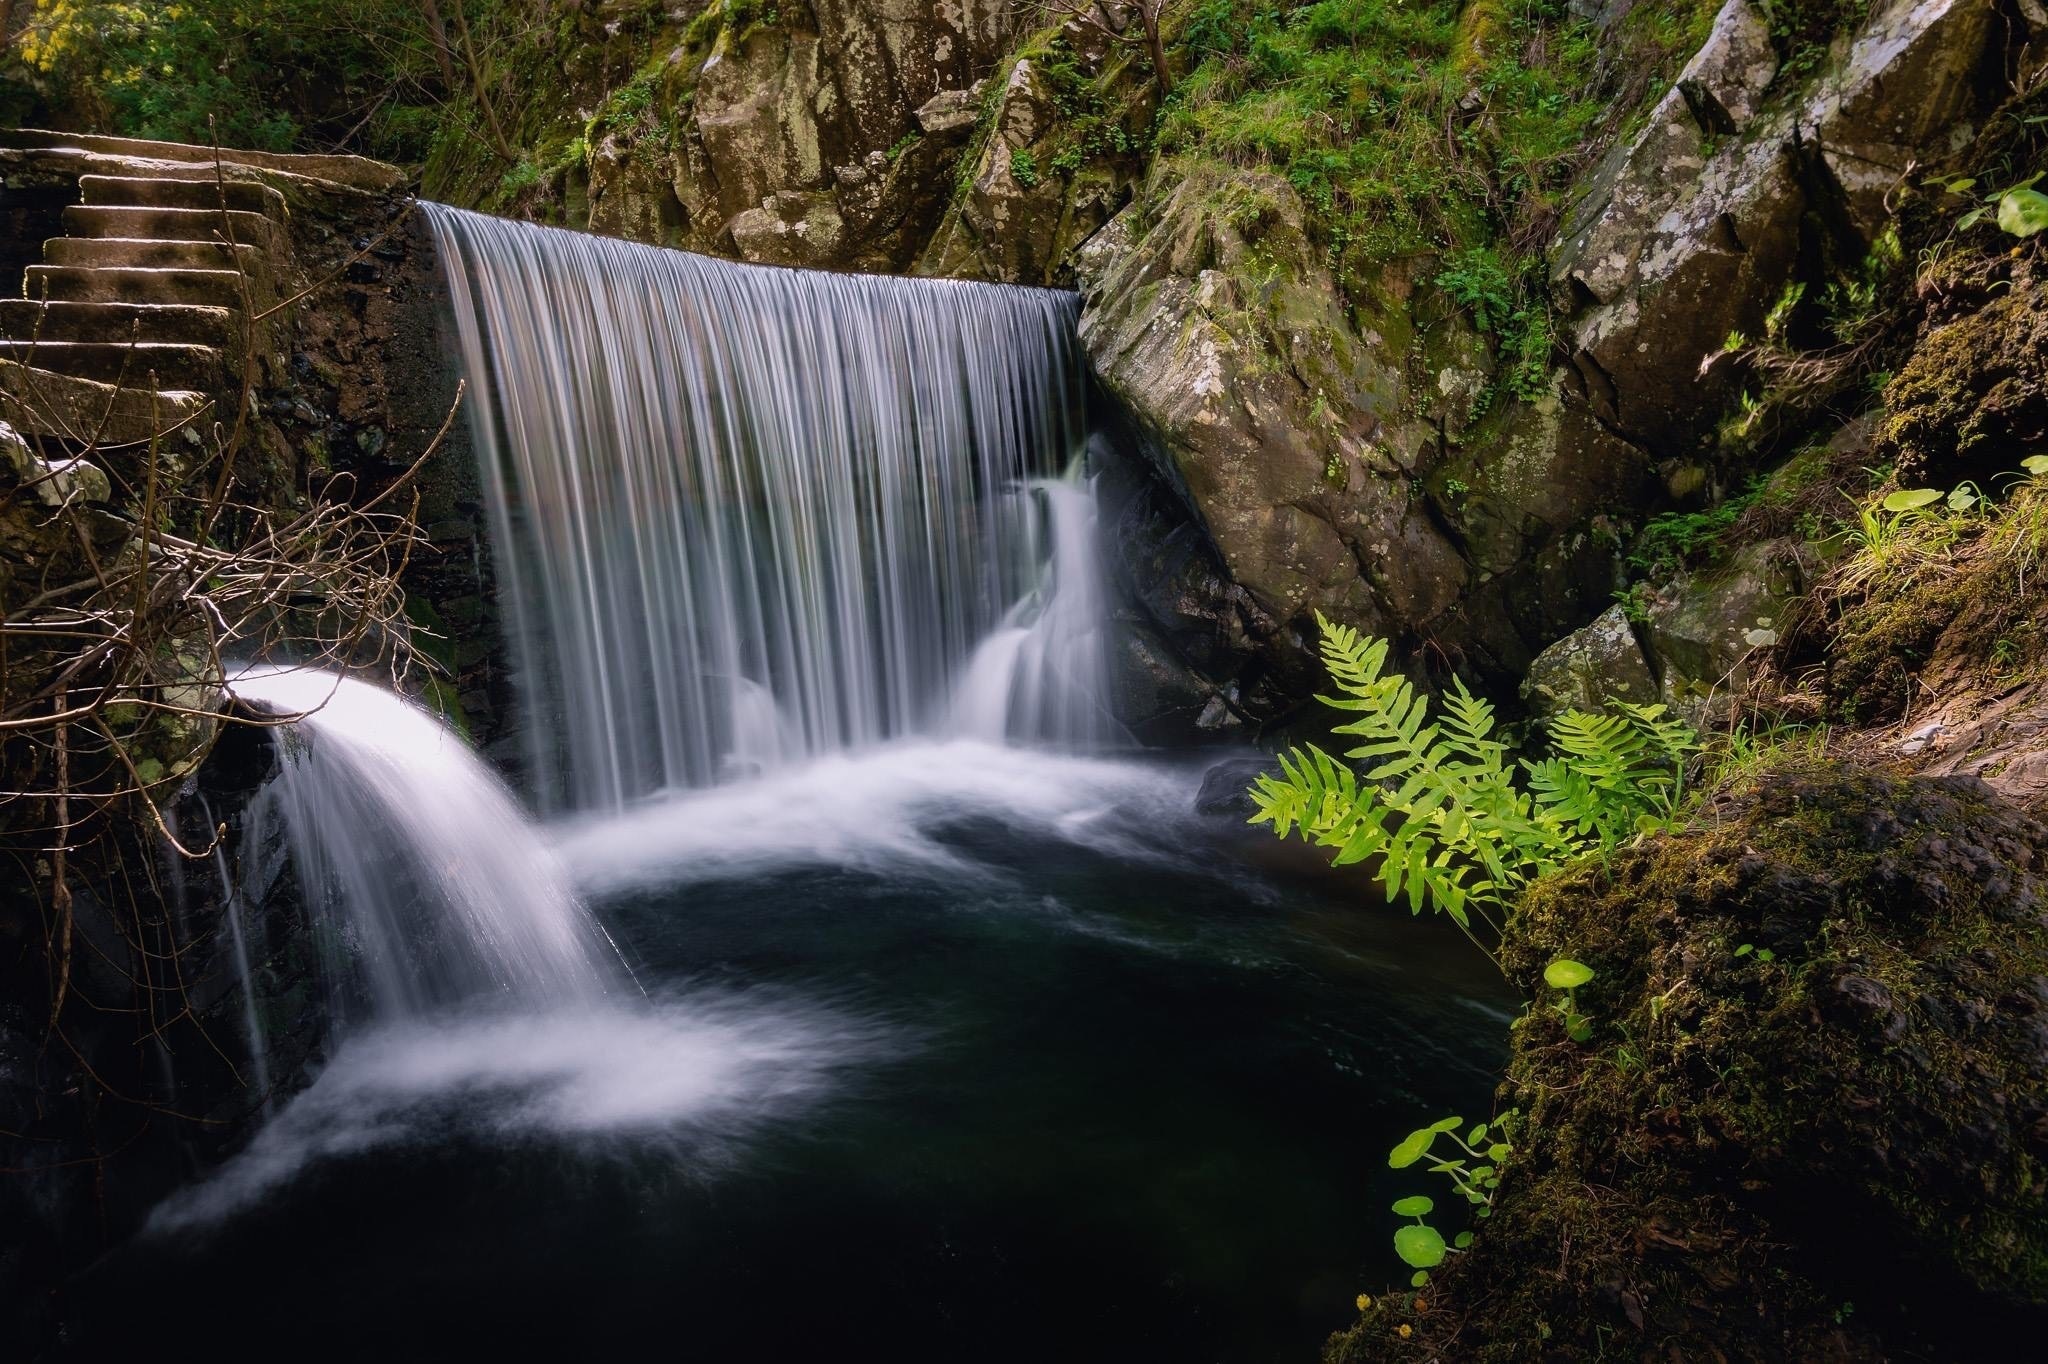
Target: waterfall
[
  {"x": 425, "y": 883},
  {"x": 232, "y": 902},
  {"x": 743, "y": 515}
]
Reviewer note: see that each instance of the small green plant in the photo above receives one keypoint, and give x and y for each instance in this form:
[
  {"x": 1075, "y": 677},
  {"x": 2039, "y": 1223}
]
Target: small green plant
[
  {"x": 1456, "y": 488},
  {"x": 1451, "y": 820},
  {"x": 1760, "y": 953},
  {"x": 1779, "y": 319},
  {"x": 1566, "y": 976},
  {"x": 1882, "y": 525},
  {"x": 1024, "y": 167},
  {"x": 1066, "y": 160},
  {"x": 2021, "y": 209},
  {"x": 1478, "y": 281},
  {"x": 904, "y": 144},
  {"x": 1475, "y": 1176},
  {"x": 1677, "y": 540}
]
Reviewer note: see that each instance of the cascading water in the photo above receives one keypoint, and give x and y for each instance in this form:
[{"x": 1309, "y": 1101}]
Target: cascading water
[
  {"x": 750, "y": 519},
  {"x": 432, "y": 886},
  {"x": 745, "y": 514}
]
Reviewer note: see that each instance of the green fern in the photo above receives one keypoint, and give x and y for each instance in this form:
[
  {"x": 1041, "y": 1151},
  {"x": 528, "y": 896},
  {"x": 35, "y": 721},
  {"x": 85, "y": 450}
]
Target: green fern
[{"x": 1439, "y": 803}]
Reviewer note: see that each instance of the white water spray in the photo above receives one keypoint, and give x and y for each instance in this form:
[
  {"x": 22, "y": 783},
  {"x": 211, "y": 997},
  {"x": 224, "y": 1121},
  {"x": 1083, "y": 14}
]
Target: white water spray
[{"x": 431, "y": 886}]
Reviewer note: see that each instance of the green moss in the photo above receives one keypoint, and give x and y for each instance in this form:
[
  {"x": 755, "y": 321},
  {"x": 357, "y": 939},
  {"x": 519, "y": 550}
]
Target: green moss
[{"x": 1747, "y": 1147}]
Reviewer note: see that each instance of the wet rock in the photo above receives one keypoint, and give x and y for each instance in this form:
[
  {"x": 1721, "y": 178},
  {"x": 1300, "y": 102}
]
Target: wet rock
[{"x": 1226, "y": 787}]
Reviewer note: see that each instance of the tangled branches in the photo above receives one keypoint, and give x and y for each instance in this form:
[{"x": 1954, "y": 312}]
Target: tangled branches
[{"x": 147, "y": 553}]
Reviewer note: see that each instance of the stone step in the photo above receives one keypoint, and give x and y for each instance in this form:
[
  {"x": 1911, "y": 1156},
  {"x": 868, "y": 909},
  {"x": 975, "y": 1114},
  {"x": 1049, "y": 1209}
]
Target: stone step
[
  {"x": 169, "y": 224},
  {"x": 182, "y": 323},
  {"x": 135, "y": 191},
  {"x": 352, "y": 172},
  {"x": 175, "y": 366},
  {"x": 63, "y": 407},
  {"x": 83, "y": 284},
  {"x": 130, "y": 252}
]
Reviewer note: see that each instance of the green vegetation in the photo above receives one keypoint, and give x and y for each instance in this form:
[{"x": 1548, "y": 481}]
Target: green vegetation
[
  {"x": 1421, "y": 1246},
  {"x": 1424, "y": 128},
  {"x": 1452, "y": 822},
  {"x": 279, "y": 75}
]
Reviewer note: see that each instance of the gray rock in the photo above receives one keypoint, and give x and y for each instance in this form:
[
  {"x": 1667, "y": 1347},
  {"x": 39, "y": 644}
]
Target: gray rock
[
  {"x": 1705, "y": 630},
  {"x": 949, "y": 111},
  {"x": 1692, "y": 230},
  {"x": 1590, "y": 667}
]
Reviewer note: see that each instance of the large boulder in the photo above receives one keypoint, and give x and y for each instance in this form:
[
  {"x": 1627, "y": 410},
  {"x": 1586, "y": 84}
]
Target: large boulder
[
  {"x": 1590, "y": 667},
  {"x": 1693, "y": 228}
]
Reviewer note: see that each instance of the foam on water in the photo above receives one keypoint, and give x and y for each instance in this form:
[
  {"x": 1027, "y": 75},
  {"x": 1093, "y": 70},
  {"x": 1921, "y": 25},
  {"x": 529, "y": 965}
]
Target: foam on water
[
  {"x": 884, "y": 812},
  {"x": 695, "y": 1073}
]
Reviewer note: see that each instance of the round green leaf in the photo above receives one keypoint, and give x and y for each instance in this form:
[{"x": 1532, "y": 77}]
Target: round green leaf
[
  {"x": 1566, "y": 974},
  {"x": 1411, "y": 1149},
  {"x": 2035, "y": 464},
  {"x": 1463, "y": 1239},
  {"x": 1911, "y": 499},
  {"x": 1415, "y": 1205},
  {"x": 1419, "y": 1247},
  {"x": 1418, "y": 1278},
  {"x": 1447, "y": 1124},
  {"x": 2023, "y": 212}
]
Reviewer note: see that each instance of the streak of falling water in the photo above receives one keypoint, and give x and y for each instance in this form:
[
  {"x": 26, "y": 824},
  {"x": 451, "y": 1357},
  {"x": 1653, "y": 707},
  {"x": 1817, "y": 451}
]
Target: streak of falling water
[
  {"x": 232, "y": 905},
  {"x": 428, "y": 885},
  {"x": 744, "y": 515}
]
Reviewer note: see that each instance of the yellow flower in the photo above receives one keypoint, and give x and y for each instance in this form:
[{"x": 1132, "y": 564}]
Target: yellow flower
[
  {"x": 1364, "y": 1301},
  {"x": 1406, "y": 1330}
]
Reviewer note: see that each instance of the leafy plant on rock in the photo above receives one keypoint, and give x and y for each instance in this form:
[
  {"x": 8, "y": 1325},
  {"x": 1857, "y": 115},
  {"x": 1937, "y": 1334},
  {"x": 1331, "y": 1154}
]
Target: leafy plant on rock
[
  {"x": 1453, "y": 822},
  {"x": 1475, "y": 1176}
]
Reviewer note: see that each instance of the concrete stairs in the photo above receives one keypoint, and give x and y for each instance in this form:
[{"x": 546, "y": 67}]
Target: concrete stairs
[{"x": 156, "y": 283}]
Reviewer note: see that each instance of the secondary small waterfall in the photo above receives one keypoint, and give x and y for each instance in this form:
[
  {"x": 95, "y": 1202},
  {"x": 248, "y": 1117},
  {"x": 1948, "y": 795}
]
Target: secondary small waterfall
[
  {"x": 743, "y": 515},
  {"x": 426, "y": 883}
]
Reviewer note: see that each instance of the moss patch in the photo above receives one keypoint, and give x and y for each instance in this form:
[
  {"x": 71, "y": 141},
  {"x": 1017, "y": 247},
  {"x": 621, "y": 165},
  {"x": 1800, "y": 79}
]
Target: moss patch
[{"x": 1838, "y": 1152}]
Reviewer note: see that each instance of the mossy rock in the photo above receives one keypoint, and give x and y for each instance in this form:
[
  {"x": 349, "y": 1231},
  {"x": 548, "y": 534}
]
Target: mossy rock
[
  {"x": 1973, "y": 400},
  {"x": 1831, "y": 1145}
]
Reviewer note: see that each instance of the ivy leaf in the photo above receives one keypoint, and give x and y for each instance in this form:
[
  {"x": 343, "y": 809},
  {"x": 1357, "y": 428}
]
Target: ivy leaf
[
  {"x": 2023, "y": 212},
  {"x": 1419, "y": 1247}
]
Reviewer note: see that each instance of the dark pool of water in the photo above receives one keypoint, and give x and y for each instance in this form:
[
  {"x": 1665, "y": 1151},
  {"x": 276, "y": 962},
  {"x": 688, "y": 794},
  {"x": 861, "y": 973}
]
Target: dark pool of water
[{"x": 1026, "y": 1096}]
